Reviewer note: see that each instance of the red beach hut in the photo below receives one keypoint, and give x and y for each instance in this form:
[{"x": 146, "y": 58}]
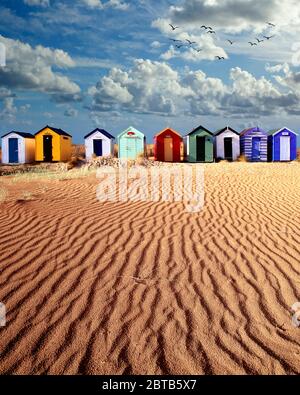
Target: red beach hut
[{"x": 167, "y": 146}]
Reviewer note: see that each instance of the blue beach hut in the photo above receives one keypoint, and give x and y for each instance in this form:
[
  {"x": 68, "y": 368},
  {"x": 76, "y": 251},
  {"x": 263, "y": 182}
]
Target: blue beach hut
[
  {"x": 132, "y": 143},
  {"x": 254, "y": 144},
  {"x": 282, "y": 145}
]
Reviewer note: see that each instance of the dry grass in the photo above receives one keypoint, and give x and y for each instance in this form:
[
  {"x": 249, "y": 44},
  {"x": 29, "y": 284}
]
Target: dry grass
[
  {"x": 78, "y": 151},
  {"x": 242, "y": 158},
  {"x": 116, "y": 150}
]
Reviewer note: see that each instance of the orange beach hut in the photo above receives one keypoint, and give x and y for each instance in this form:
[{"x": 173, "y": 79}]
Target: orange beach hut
[{"x": 52, "y": 145}]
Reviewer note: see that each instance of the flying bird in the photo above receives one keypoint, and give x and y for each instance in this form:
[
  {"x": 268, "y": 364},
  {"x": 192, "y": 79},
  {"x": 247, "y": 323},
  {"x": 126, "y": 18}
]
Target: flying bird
[
  {"x": 220, "y": 57},
  {"x": 259, "y": 41},
  {"x": 198, "y": 50},
  {"x": 270, "y": 24},
  {"x": 251, "y": 43},
  {"x": 174, "y": 40},
  {"x": 179, "y": 46},
  {"x": 190, "y": 42},
  {"x": 210, "y": 28},
  {"x": 268, "y": 38},
  {"x": 211, "y": 32},
  {"x": 173, "y": 27},
  {"x": 204, "y": 27},
  {"x": 231, "y": 42}
]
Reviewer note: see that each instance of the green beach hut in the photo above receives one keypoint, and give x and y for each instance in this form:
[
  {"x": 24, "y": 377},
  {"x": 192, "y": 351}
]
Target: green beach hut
[
  {"x": 199, "y": 145},
  {"x": 131, "y": 143}
]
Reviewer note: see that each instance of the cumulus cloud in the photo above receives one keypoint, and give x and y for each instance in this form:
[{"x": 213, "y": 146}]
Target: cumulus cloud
[
  {"x": 117, "y": 4},
  {"x": 155, "y": 44},
  {"x": 32, "y": 69},
  {"x": 155, "y": 88},
  {"x": 4, "y": 93},
  {"x": 40, "y": 3},
  {"x": 148, "y": 87},
  {"x": 239, "y": 20},
  {"x": 236, "y": 15},
  {"x": 209, "y": 48},
  {"x": 8, "y": 111}
]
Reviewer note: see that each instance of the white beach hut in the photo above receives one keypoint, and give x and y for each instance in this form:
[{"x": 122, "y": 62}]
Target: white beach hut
[
  {"x": 99, "y": 143},
  {"x": 18, "y": 148},
  {"x": 227, "y": 144}
]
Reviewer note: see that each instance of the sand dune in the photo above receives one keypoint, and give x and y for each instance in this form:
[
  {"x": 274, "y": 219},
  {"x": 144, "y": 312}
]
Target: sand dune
[{"x": 147, "y": 288}]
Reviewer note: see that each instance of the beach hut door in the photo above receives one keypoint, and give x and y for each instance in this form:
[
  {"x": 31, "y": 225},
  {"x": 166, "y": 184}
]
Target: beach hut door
[
  {"x": 285, "y": 148},
  {"x": 168, "y": 146},
  {"x": 13, "y": 150},
  {"x": 256, "y": 148},
  {"x": 47, "y": 145},
  {"x": 228, "y": 148},
  {"x": 98, "y": 147},
  {"x": 200, "y": 141},
  {"x": 131, "y": 147}
]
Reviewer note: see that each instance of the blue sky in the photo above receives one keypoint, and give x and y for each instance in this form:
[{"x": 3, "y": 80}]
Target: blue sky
[{"x": 83, "y": 64}]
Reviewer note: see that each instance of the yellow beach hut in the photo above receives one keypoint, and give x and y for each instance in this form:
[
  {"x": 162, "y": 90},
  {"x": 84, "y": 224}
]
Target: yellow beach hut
[{"x": 52, "y": 145}]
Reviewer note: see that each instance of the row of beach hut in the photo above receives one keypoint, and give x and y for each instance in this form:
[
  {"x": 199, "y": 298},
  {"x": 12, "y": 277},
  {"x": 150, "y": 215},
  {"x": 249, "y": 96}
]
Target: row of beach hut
[{"x": 200, "y": 145}]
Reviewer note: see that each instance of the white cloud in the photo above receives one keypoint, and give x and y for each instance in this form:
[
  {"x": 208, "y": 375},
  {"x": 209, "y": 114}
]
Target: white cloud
[
  {"x": 237, "y": 15},
  {"x": 8, "y": 112},
  {"x": 146, "y": 88},
  {"x": 155, "y": 88},
  {"x": 238, "y": 20},
  {"x": 117, "y": 4},
  {"x": 40, "y": 3},
  {"x": 155, "y": 44},
  {"x": 277, "y": 68},
  {"x": 32, "y": 69},
  {"x": 204, "y": 42}
]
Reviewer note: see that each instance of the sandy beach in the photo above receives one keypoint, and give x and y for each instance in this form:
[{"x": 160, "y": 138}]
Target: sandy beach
[{"x": 148, "y": 288}]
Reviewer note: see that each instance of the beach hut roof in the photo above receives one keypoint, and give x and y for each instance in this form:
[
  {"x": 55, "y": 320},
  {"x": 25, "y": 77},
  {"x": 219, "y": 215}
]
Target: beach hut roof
[
  {"x": 130, "y": 129},
  {"x": 198, "y": 128},
  {"x": 102, "y": 131},
  {"x": 275, "y": 131},
  {"x": 164, "y": 130},
  {"x": 246, "y": 131},
  {"x": 21, "y": 134},
  {"x": 58, "y": 131},
  {"x": 224, "y": 129}
]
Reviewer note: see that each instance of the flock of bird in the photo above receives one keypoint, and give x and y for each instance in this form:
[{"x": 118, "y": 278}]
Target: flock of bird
[{"x": 209, "y": 30}]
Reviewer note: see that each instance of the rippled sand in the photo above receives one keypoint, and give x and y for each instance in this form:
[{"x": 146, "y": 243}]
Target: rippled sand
[{"x": 145, "y": 288}]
